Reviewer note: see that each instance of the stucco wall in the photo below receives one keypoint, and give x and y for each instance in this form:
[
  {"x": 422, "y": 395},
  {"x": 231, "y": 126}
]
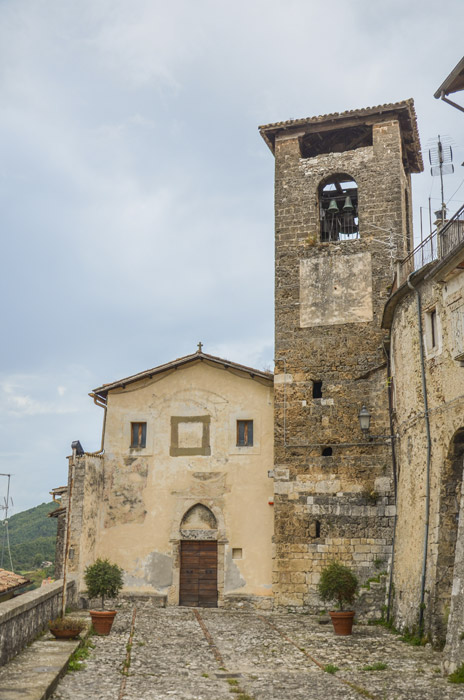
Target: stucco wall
[{"x": 131, "y": 501}]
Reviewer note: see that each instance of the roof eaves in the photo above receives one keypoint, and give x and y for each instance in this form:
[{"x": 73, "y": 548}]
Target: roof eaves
[
  {"x": 268, "y": 131},
  {"x": 453, "y": 82},
  {"x": 195, "y": 357}
]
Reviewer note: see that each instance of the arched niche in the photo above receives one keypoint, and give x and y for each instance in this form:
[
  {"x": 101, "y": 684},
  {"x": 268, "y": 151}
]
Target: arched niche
[
  {"x": 199, "y": 517},
  {"x": 338, "y": 208}
]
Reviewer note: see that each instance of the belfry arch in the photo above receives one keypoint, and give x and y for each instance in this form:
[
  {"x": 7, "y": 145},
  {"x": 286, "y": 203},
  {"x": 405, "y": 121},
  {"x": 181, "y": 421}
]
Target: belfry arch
[{"x": 338, "y": 208}]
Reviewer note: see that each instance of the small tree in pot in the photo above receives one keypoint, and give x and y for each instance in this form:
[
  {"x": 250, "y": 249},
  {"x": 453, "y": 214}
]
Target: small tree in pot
[
  {"x": 339, "y": 583},
  {"x": 103, "y": 580}
]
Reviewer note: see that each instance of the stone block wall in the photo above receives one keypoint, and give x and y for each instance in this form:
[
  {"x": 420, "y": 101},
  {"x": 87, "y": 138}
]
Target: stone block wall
[
  {"x": 333, "y": 487},
  {"x": 23, "y": 618}
]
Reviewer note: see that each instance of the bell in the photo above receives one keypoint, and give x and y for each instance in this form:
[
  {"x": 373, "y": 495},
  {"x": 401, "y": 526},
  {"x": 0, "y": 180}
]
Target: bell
[
  {"x": 348, "y": 206},
  {"x": 333, "y": 207}
]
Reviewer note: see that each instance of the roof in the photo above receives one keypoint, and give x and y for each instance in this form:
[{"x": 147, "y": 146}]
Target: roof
[
  {"x": 453, "y": 83},
  {"x": 404, "y": 111},
  {"x": 9, "y": 581},
  {"x": 199, "y": 356},
  {"x": 57, "y": 512}
]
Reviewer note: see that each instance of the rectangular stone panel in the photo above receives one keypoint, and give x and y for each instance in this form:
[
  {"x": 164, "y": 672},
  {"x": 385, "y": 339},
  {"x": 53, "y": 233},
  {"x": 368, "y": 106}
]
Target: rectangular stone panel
[{"x": 335, "y": 290}]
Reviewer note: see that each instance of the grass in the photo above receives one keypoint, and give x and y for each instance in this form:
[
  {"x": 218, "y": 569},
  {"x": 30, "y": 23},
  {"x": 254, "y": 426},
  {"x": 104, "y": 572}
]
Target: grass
[
  {"x": 457, "y": 676},
  {"x": 205, "y": 675},
  {"x": 378, "y": 666},
  {"x": 232, "y": 681},
  {"x": 330, "y": 668},
  {"x": 76, "y": 662}
]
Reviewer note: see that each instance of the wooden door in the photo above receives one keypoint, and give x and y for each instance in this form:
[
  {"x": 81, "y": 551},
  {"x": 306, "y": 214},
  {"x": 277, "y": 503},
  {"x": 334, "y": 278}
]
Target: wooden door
[{"x": 198, "y": 574}]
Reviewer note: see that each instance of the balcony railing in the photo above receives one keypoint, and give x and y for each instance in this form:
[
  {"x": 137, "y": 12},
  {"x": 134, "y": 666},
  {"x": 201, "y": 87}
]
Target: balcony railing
[{"x": 438, "y": 245}]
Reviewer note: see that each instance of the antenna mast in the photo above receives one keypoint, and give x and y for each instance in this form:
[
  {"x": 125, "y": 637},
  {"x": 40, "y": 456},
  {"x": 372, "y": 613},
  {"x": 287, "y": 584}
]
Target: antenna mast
[
  {"x": 441, "y": 160},
  {"x": 6, "y": 535}
]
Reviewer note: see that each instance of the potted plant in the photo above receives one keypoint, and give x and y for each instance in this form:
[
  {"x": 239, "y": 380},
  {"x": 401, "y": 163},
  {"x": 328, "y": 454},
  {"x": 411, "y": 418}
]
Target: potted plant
[
  {"x": 103, "y": 579},
  {"x": 339, "y": 583},
  {"x": 66, "y": 627}
]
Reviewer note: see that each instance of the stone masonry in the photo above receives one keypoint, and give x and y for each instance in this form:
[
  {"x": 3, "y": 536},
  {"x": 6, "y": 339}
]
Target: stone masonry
[{"x": 333, "y": 486}]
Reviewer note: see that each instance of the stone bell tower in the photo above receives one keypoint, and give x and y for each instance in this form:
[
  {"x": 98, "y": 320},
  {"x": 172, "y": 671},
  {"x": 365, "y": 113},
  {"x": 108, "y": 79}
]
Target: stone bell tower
[{"x": 342, "y": 218}]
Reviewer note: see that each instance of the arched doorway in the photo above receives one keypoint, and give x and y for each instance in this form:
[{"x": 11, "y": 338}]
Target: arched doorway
[{"x": 198, "y": 585}]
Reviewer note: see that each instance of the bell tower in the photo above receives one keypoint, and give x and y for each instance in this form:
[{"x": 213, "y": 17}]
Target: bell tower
[{"x": 342, "y": 218}]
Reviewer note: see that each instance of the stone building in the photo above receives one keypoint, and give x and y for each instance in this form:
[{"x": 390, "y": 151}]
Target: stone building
[
  {"x": 179, "y": 495},
  {"x": 425, "y": 317},
  {"x": 343, "y": 216}
]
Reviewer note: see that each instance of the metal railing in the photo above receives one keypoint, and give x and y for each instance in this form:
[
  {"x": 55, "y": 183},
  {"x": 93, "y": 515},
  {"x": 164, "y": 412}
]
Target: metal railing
[{"x": 438, "y": 245}]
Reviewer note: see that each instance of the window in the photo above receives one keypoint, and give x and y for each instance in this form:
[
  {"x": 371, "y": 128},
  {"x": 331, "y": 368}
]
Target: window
[
  {"x": 432, "y": 332},
  {"x": 317, "y": 390},
  {"x": 327, "y": 452},
  {"x": 244, "y": 433},
  {"x": 433, "y": 328},
  {"x": 138, "y": 434},
  {"x": 338, "y": 206}
]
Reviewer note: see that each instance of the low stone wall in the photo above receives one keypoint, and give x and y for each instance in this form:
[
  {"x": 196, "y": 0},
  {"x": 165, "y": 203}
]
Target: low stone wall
[{"x": 26, "y": 616}]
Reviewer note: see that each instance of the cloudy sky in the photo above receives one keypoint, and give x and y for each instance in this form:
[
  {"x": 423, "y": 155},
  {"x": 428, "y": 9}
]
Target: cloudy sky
[{"x": 136, "y": 194}]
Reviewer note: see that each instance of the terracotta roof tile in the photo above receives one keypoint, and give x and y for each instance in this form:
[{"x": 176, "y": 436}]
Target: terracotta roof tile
[{"x": 9, "y": 580}]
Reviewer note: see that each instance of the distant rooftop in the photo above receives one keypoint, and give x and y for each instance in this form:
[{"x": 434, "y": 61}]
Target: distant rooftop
[{"x": 9, "y": 581}]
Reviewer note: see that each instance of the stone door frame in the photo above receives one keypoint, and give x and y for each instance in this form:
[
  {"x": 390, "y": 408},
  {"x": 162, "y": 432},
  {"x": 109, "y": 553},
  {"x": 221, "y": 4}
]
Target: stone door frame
[{"x": 178, "y": 534}]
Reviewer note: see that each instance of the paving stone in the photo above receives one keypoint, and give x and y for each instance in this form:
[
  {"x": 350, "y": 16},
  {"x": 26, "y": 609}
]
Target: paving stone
[{"x": 267, "y": 656}]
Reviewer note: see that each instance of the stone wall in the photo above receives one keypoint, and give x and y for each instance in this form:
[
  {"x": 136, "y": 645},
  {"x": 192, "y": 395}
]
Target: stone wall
[
  {"x": 445, "y": 393},
  {"x": 23, "y": 618},
  {"x": 333, "y": 487}
]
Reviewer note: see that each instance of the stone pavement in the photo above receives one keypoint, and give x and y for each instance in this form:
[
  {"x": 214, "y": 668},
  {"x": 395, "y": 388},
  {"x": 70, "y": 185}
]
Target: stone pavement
[{"x": 211, "y": 654}]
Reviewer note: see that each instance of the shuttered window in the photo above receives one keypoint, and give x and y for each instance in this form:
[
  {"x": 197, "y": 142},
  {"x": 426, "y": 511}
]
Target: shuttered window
[
  {"x": 244, "y": 433},
  {"x": 138, "y": 434}
]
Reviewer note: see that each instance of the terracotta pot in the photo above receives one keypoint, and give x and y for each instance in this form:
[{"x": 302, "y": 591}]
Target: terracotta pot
[
  {"x": 65, "y": 634},
  {"x": 342, "y": 621},
  {"x": 102, "y": 620}
]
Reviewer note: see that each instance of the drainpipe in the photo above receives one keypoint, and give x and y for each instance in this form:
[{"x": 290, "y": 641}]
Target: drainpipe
[
  {"x": 99, "y": 402},
  {"x": 68, "y": 534},
  {"x": 395, "y": 487},
  {"x": 429, "y": 449}
]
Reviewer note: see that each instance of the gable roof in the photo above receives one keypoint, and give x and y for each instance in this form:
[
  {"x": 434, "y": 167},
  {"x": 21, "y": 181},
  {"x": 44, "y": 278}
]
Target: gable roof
[
  {"x": 403, "y": 111},
  {"x": 9, "y": 581},
  {"x": 267, "y": 377}
]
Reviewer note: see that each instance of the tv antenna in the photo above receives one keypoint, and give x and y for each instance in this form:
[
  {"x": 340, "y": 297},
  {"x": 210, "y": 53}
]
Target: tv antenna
[
  {"x": 6, "y": 535},
  {"x": 441, "y": 162}
]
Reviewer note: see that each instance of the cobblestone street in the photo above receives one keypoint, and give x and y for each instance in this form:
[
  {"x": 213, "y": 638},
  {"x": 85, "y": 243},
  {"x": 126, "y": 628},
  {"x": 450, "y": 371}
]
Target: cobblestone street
[{"x": 210, "y": 654}]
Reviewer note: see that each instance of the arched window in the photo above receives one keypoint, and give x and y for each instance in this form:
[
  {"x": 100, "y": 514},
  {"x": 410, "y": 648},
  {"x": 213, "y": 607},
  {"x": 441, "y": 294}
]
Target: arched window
[{"x": 338, "y": 202}]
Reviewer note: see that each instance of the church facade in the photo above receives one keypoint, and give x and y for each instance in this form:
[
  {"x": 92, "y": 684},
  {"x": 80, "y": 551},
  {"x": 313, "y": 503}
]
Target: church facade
[{"x": 179, "y": 496}]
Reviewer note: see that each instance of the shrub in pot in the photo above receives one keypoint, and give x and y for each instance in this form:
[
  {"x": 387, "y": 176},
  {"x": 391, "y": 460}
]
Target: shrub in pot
[
  {"x": 66, "y": 627},
  {"x": 339, "y": 584},
  {"x": 103, "y": 580}
]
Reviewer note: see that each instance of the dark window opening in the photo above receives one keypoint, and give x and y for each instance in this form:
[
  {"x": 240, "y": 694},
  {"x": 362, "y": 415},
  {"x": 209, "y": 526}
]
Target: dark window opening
[
  {"x": 433, "y": 328},
  {"x": 338, "y": 208},
  {"x": 138, "y": 434},
  {"x": 318, "y": 528},
  {"x": 336, "y": 141},
  {"x": 327, "y": 452},
  {"x": 244, "y": 433},
  {"x": 317, "y": 390}
]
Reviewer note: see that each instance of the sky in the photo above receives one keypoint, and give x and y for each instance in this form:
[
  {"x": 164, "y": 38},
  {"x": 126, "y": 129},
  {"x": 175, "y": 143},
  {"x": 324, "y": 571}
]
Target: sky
[{"x": 136, "y": 194}]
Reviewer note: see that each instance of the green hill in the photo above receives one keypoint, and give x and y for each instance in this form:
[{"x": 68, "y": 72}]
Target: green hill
[{"x": 32, "y": 538}]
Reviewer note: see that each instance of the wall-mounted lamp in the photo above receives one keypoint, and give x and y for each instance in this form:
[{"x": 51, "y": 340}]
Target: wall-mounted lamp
[
  {"x": 364, "y": 422},
  {"x": 364, "y": 419}
]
